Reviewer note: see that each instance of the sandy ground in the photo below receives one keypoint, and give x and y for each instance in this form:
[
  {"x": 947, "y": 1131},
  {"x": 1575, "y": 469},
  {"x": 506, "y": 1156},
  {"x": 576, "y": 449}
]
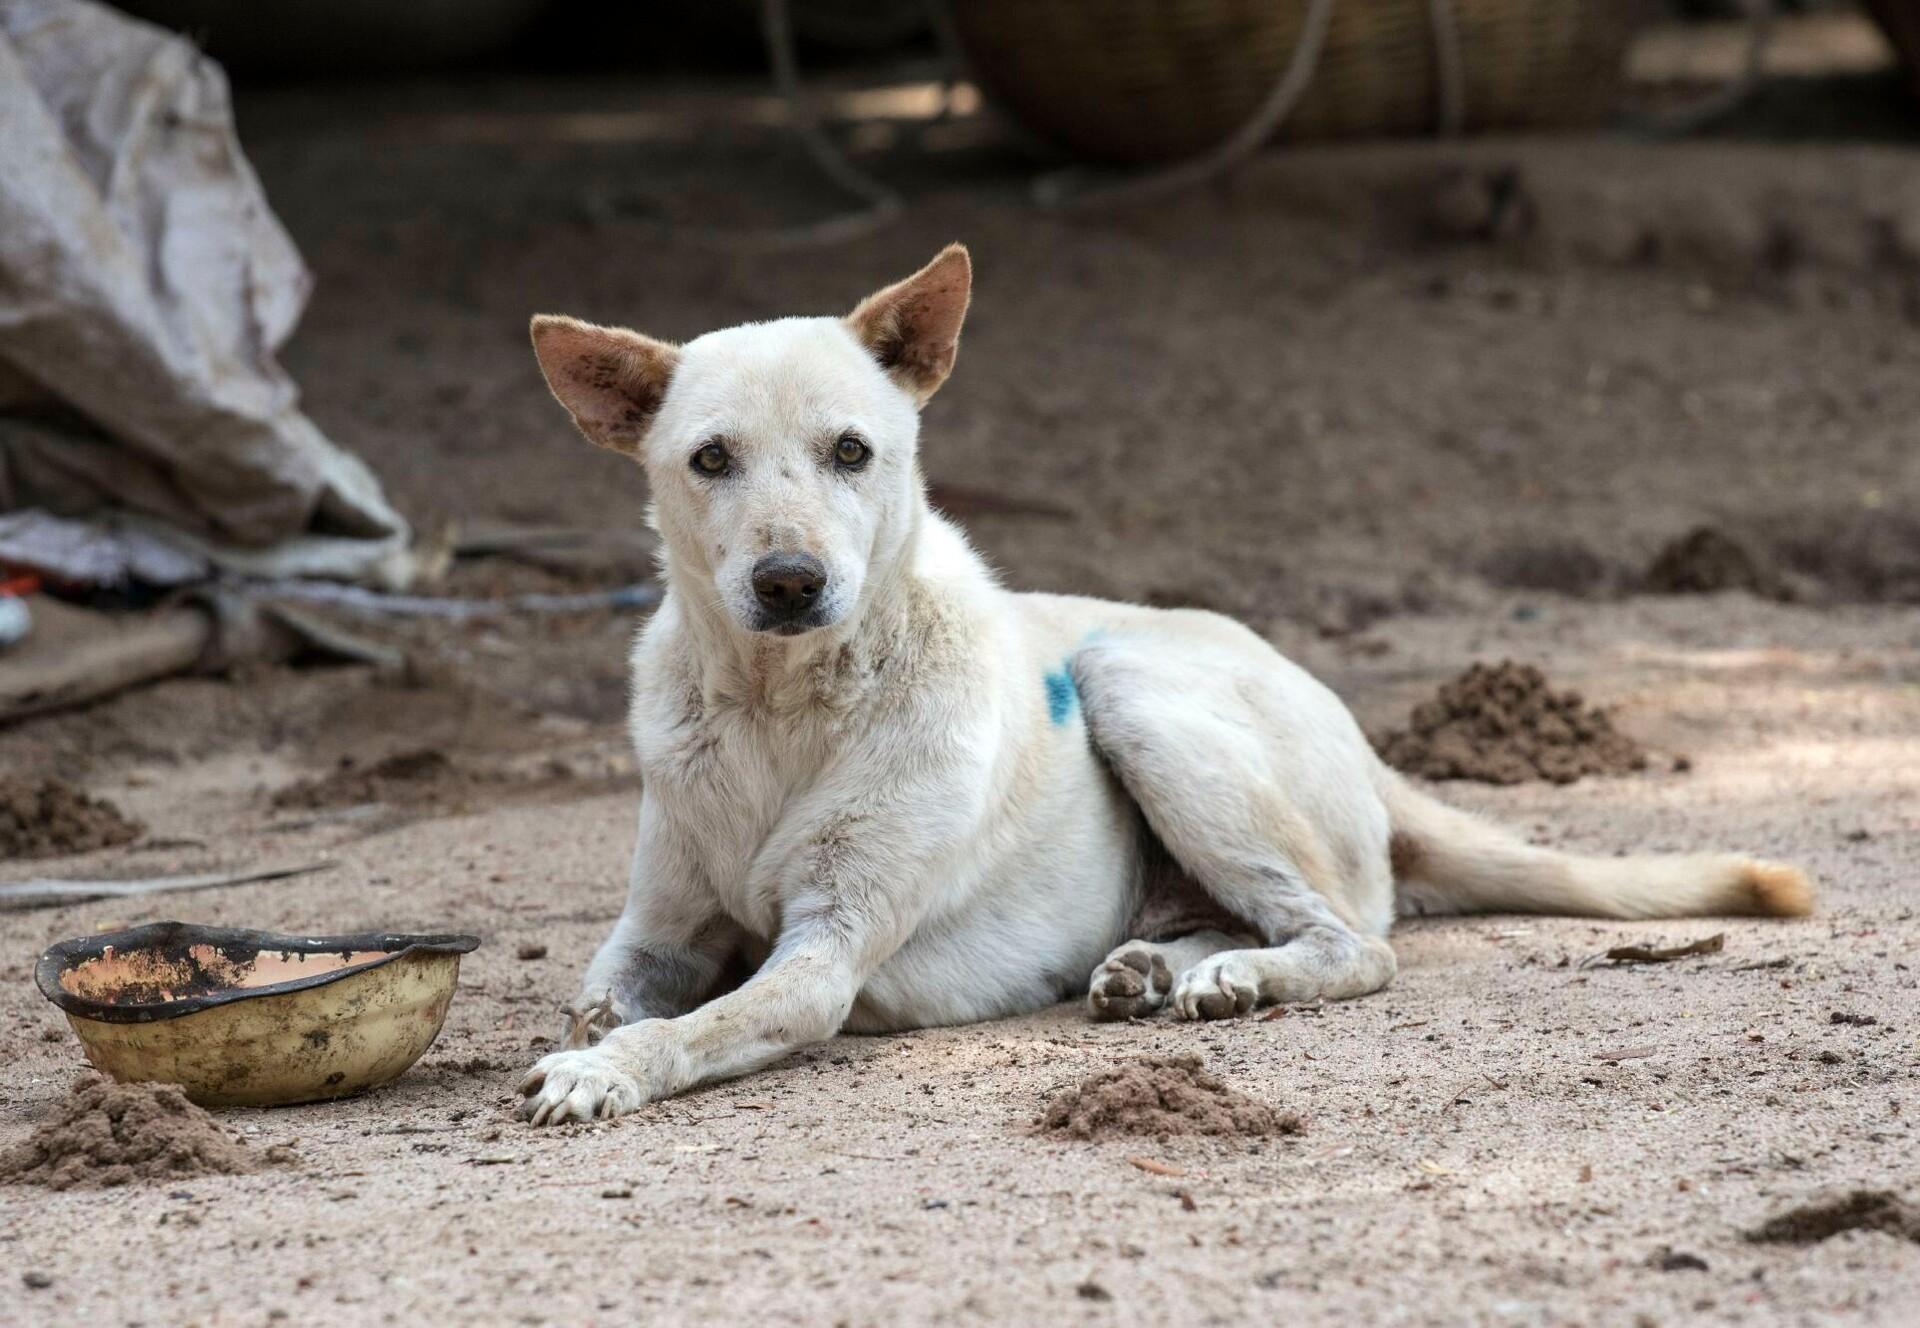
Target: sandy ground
[{"x": 1315, "y": 401}]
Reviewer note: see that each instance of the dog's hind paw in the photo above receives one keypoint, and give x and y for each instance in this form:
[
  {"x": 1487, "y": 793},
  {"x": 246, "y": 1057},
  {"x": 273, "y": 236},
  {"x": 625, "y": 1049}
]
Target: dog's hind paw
[
  {"x": 1218, "y": 987},
  {"x": 1133, "y": 981}
]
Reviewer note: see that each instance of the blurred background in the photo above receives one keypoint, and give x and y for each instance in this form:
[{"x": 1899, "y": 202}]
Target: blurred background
[{"x": 1340, "y": 318}]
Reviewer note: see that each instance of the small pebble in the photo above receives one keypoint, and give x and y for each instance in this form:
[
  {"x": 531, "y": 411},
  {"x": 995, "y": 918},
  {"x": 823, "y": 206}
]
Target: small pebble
[
  {"x": 36, "y": 1279},
  {"x": 531, "y": 951}
]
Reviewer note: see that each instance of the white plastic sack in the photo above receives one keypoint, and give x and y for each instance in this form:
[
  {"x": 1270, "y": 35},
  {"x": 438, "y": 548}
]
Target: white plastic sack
[{"x": 144, "y": 288}]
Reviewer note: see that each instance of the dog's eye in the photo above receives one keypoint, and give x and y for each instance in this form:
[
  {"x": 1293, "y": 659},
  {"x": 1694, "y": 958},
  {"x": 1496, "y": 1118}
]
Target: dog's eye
[
  {"x": 850, "y": 453},
  {"x": 712, "y": 460}
]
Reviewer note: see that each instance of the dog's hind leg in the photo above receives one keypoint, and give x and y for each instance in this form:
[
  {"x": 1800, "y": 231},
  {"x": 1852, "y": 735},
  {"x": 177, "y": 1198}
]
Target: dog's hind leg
[{"x": 1257, "y": 782}]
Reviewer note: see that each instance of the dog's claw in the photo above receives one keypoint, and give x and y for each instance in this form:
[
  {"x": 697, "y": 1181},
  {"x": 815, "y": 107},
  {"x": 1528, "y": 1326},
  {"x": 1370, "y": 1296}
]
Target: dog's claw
[{"x": 580, "y": 1023}]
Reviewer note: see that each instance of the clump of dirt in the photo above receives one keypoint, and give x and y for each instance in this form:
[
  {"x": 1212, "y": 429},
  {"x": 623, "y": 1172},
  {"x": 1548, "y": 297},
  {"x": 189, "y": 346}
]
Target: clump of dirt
[
  {"x": 1502, "y": 724},
  {"x": 425, "y": 775},
  {"x": 1161, "y": 1096},
  {"x": 1857, "y": 1210},
  {"x": 44, "y": 818},
  {"x": 107, "y": 1134},
  {"x": 1707, "y": 560}
]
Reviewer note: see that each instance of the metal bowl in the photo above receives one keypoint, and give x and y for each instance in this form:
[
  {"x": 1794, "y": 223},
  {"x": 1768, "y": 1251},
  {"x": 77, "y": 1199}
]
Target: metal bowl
[{"x": 251, "y": 1018}]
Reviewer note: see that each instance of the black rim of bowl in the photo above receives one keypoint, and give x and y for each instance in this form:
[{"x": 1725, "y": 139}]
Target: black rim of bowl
[{"x": 178, "y": 936}]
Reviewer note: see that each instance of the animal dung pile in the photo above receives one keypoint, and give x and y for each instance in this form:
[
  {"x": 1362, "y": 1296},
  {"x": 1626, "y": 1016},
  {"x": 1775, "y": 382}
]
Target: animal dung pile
[
  {"x": 42, "y": 818},
  {"x": 1502, "y": 724},
  {"x": 1160, "y": 1096},
  {"x": 107, "y": 1134}
]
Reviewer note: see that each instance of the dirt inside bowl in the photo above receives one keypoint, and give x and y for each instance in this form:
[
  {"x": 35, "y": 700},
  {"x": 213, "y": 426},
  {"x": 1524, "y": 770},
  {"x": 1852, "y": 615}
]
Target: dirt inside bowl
[{"x": 155, "y": 976}]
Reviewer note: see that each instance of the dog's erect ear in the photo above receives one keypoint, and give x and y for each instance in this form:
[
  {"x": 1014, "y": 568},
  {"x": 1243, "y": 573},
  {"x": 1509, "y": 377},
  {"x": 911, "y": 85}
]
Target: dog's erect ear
[
  {"x": 610, "y": 380},
  {"x": 913, "y": 327}
]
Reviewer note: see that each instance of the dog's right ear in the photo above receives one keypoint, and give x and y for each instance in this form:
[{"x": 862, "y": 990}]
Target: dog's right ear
[{"x": 611, "y": 381}]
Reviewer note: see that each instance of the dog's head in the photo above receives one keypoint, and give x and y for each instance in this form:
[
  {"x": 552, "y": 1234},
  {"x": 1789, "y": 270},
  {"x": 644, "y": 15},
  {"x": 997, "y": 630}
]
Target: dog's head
[{"x": 782, "y": 455}]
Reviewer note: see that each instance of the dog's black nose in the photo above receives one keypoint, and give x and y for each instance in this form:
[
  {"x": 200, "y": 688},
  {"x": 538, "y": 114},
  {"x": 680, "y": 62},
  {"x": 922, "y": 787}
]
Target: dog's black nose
[{"x": 789, "y": 584}]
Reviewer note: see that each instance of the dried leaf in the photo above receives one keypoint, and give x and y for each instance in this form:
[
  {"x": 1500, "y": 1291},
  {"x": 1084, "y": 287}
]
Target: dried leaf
[{"x": 1646, "y": 954}]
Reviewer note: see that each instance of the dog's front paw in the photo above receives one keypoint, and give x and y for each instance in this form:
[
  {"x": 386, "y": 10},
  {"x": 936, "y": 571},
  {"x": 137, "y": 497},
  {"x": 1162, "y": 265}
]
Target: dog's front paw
[
  {"x": 583, "y": 1084},
  {"x": 1218, "y": 987},
  {"x": 633, "y": 1065}
]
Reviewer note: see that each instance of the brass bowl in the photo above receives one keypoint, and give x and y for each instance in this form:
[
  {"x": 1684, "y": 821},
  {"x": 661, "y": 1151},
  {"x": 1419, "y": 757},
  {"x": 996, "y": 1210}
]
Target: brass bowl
[{"x": 250, "y": 1018}]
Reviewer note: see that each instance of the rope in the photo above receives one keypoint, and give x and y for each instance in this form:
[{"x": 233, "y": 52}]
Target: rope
[
  {"x": 1450, "y": 68},
  {"x": 1069, "y": 188}
]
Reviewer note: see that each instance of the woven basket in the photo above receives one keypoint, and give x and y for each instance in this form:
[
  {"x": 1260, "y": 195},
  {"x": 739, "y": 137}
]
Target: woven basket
[
  {"x": 1901, "y": 21},
  {"x": 1158, "y": 80}
]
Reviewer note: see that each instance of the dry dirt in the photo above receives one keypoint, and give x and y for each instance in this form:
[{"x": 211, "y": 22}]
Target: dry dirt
[
  {"x": 1504, "y": 724},
  {"x": 1395, "y": 453},
  {"x": 1163, "y": 1097},
  {"x": 106, "y": 1134},
  {"x": 48, "y": 818}
]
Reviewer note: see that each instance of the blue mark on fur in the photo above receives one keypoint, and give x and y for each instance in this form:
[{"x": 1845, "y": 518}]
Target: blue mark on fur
[{"x": 1061, "y": 696}]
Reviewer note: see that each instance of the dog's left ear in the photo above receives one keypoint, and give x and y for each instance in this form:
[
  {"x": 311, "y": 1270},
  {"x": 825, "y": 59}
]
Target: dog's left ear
[
  {"x": 611, "y": 381},
  {"x": 913, "y": 327}
]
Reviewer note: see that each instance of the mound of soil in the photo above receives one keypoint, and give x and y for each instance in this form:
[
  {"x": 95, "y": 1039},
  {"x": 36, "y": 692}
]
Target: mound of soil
[
  {"x": 1706, "y": 560},
  {"x": 1161, "y": 1096},
  {"x": 1502, "y": 724},
  {"x": 1858, "y": 1210},
  {"x": 45, "y": 818},
  {"x": 406, "y": 777},
  {"x": 108, "y": 1134}
]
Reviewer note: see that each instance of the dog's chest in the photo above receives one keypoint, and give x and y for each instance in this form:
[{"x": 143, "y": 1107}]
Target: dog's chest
[{"x": 726, "y": 779}]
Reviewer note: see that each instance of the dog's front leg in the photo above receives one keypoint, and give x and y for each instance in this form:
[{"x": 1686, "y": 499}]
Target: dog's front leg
[
  {"x": 666, "y": 952},
  {"x": 801, "y": 995},
  {"x": 855, "y": 874}
]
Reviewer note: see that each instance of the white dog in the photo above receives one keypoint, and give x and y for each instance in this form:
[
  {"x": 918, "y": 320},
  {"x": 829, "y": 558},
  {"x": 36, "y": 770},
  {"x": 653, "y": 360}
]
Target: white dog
[{"x": 905, "y": 796}]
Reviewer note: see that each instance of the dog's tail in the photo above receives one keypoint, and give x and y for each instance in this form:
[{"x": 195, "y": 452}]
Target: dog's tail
[{"x": 1448, "y": 861}]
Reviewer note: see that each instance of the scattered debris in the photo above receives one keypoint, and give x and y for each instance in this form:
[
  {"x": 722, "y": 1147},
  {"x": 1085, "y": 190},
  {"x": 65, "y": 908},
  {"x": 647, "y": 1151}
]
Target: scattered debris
[
  {"x": 1091, "y": 1290},
  {"x": 44, "y": 893},
  {"x": 1154, "y": 1168},
  {"x": 1161, "y": 1096},
  {"x": 107, "y": 1134},
  {"x": 530, "y": 951},
  {"x": 1622, "y": 955},
  {"x": 1707, "y": 560},
  {"x": 1502, "y": 724},
  {"x": 1857, "y": 1210},
  {"x": 1848, "y": 1017},
  {"x": 47, "y": 818},
  {"x": 36, "y": 1280},
  {"x": 1624, "y": 1054}
]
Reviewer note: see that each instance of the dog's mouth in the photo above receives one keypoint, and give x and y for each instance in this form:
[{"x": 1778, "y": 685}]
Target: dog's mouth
[{"x": 768, "y": 624}]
